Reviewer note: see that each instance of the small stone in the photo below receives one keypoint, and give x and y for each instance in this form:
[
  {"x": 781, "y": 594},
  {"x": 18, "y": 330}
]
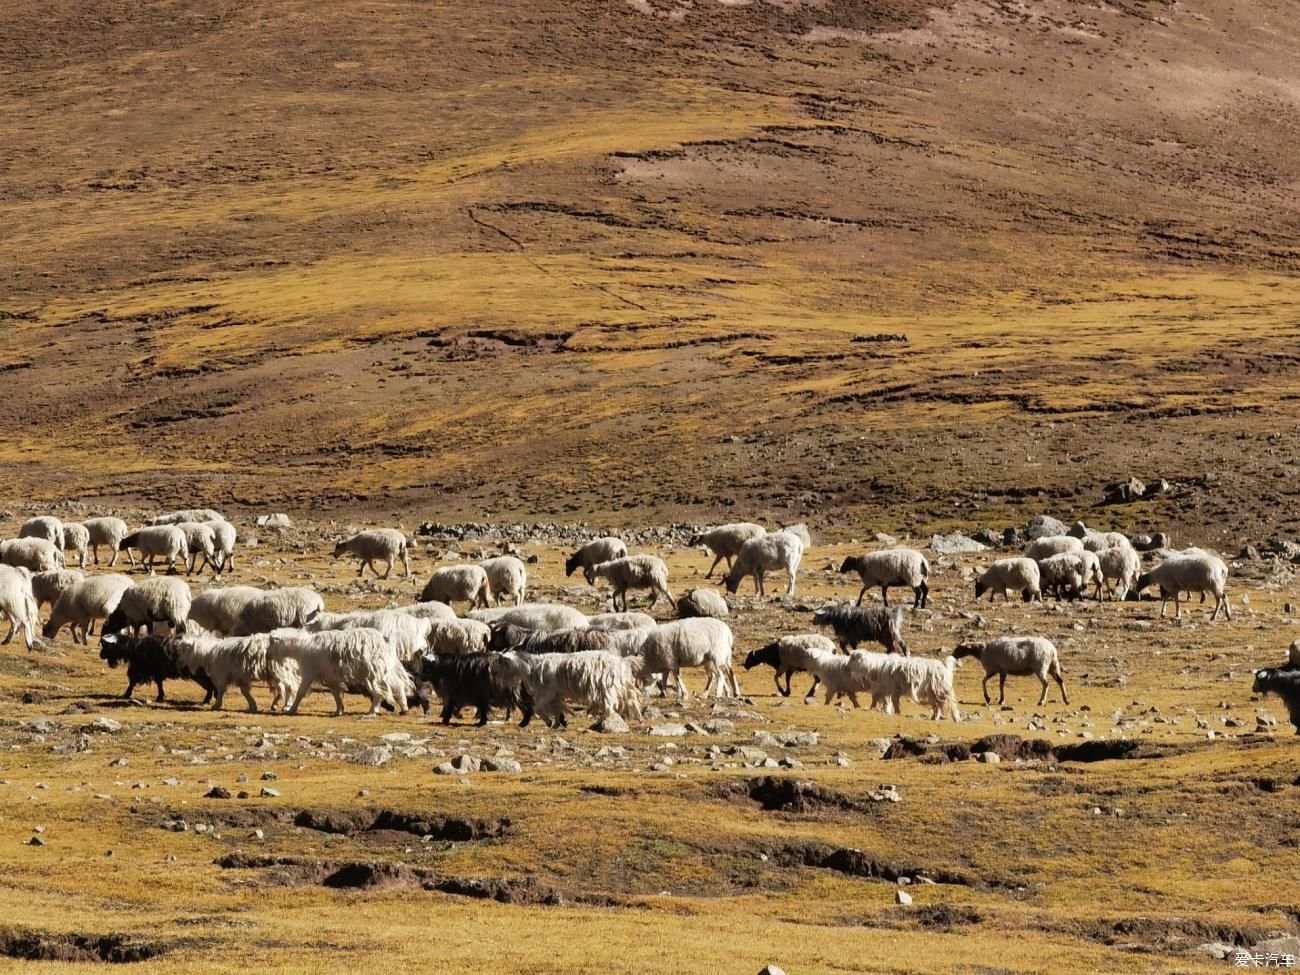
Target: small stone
[
  {"x": 259, "y": 834},
  {"x": 268, "y": 776},
  {"x": 771, "y": 970},
  {"x": 502, "y": 765},
  {"x": 375, "y": 757},
  {"x": 989, "y": 758},
  {"x": 611, "y": 724},
  {"x": 446, "y": 768},
  {"x": 659, "y": 767},
  {"x": 118, "y": 763},
  {"x": 719, "y": 726},
  {"x": 105, "y": 724},
  {"x": 269, "y": 793},
  {"x": 466, "y": 763},
  {"x": 669, "y": 730},
  {"x": 902, "y": 897},
  {"x": 217, "y": 792},
  {"x": 241, "y": 777},
  {"x": 36, "y": 841},
  {"x": 243, "y": 794}
]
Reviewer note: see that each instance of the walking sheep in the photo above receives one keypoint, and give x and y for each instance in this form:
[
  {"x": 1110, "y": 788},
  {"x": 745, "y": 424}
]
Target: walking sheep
[
  {"x": 158, "y": 600},
  {"x": 1120, "y": 568},
  {"x": 162, "y": 542},
  {"x": 458, "y": 636},
  {"x": 507, "y": 577},
  {"x": 107, "y": 531},
  {"x": 200, "y": 540},
  {"x": 758, "y": 556},
  {"x": 376, "y": 545},
  {"x": 17, "y": 604},
  {"x": 33, "y": 554},
  {"x": 600, "y": 682},
  {"x": 1016, "y": 574},
  {"x": 599, "y": 550},
  {"x": 292, "y": 606},
  {"x": 240, "y": 661},
  {"x": 216, "y": 610},
  {"x": 47, "y": 587},
  {"x": 339, "y": 659},
  {"x": 858, "y": 624},
  {"x": 458, "y": 583},
  {"x": 789, "y": 655},
  {"x": 1064, "y": 575},
  {"x": 76, "y": 538},
  {"x": 225, "y": 537},
  {"x": 701, "y": 642},
  {"x": 1016, "y": 656},
  {"x": 43, "y": 526},
  {"x": 925, "y": 680},
  {"x": 1201, "y": 573},
  {"x": 891, "y": 567},
  {"x": 726, "y": 541},
  {"x": 91, "y": 599},
  {"x": 151, "y": 660},
  {"x": 1042, "y": 548},
  {"x": 635, "y": 572}
]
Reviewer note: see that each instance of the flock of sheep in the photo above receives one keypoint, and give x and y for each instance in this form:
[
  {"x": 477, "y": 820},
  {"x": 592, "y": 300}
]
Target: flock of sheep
[{"x": 540, "y": 658}]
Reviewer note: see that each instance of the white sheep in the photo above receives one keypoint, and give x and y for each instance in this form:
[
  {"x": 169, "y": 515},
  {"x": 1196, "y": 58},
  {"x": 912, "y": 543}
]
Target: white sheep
[
  {"x": 700, "y": 642},
  {"x": 533, "y": 616},
  {"x": 385, "y": 545},
  {"x": 107, "y": 531},
  {"x": 188, "y": 514},
  {"x": 200, "y": 540},
  {"x": 726, "y": 541},
  {"x": 428, "y": 611},
  {"x": 507, "y": 577},
  {"x": 789, "y": 655},
  {"x": 33, "y": 554},
  {"x": 43, "y": 526},
  {"x": 623, "y": 621},
  {"x": 217, "y": 609},
  {"x": 925, "y": 680},
  {"x": 1019, "y": 575},
  {"x": 1064, "y": 574},
  {"x": 273, "y": 609},
  {"x": 1120, "y": 568},
  {"x": 149, "y": 601},
  {"x": 458, "y": 636},
  {"x": 409, "y": 635},
  {"x": 241, "y": 661},
  {"x": 846, "y": 675},
  {"x": 76, "y": 538},
  {"x": 635, "y": 572},
  {"x": 1201, "y": 573},
  {"x": 1049, "y": 545},
  {"x": 1096, "y": 541},
  {"x": 359, "y": 657},
  {"x": 601, "y": 682},
  {"x": 91, "y": 599},
  {"x": 1092, "y": 574},
  {"x": 598, "y": 550},
  {"x": 17, "y": 603},
  {"x": 758, "y": 556},
  {"x": 891, "y": 567},
  {"x": 47, "y": 587},
  {"x": 453, "y": 583},
  {"x": 1016, "y": 656},
  {"x": 225, "y": 537},
  {"x": 158, "y": 542}
]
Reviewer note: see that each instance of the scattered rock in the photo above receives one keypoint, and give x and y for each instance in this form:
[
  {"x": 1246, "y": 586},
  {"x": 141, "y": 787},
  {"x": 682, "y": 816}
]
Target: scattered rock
[
  {"x": 375, "y": 756},
  {"x": 1151, "y": 542},
  {"x": 445, "y": 768},
  {"x": 955, "y": 543},
  {"x": 1042, "y": 526},
  {"x": 771, "y": 970},
  {"x": 989, "y": 758},
  {"x": 611, "y": 724},
  {"x": 107, "y": 725},
  {"x": 466, "y": 763},
  {"x": 668, "y": 730},
  {"x": 277, "y": 520},
  {"x": 1125, "y": 492},
  {"x": 217, "y": 792},
  {"x": 269, "y": 793},
  {"x": 702, "y": 602},
  {"x": 501, "y": 765},
  {"x": 902, "y": 897}
]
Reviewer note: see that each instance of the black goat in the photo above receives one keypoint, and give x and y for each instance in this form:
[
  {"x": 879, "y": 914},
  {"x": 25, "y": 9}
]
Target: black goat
[
  {"x": 463, "y": 679},
  {"x": 150, "y": 660},
  {"x": 1286, "y": 685},
  {"x": 859, "y": 624}
]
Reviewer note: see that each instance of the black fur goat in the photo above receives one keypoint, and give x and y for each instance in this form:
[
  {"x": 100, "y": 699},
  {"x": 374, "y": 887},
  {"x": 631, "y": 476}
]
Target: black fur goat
[{"x": 150, "y": 660}]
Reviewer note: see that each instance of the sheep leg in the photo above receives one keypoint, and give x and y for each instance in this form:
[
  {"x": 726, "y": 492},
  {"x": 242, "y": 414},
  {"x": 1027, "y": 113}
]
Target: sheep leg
[
  {"x": 709, "y": 574},
  {"x": 406, "y": 564},
  {"x": 337, "y": 691},
  {"x": 812, "y": 690},
  {"x": 735, "y": 683},
  {"x": 94, "y": 551},
  {"x": 130, "y": 687},
  {"x": 853, "y": 696},
  {"x": 13, "y": 625},
  {"x": 376, "y": 699},
  {"x": 987, "y": 678},
  {"x": 683, "y": 695},
  {"x": 218, "y": 695},
  {"x": 388, "y": 571},
  {"x": 861, "y": 594},
  {"x": 1002, "y": 690},
  {"x": 1226, "y": 608},
  {"x": 777, "y": 678},
  {"x": 1043, "y": 699},
  {"x": 896, "y": 703},
  {"x": 884, "y": 594},
  {"x": 246, "y": 689},
  {"x": 1060, "y": 681},
  {"x": 789, "y": 590}
]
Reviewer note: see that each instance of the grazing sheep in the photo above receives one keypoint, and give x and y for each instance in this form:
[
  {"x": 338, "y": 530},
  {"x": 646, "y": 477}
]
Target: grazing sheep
[
  {"x": 107, "y": 531},
  {"x": 225, "y": 536},
  {"x": 1049, "y": 545},
  {"x": 458, "y": 582},
  {"x": 856, "y": 624},
  {"x": 1017, "y": 574},
  {"x": 462, "y": 680},
  {"x": 292, "y": 606},
  {"x": 47, "y": 587},
  {"x": 1120, "y": 568},
  {"x": 76, "y": 538},
  {"x": 43, "y": 526},
  {"x": 240, "y": 661},
  {"x": 458, "y": 636},
  {"x": 1201, "y": 573},
  {"x": 1064, "y": 575},
  {"x": 758, "y": 556},
  {"x": 599, "y": 550},
  {"x": 600, "y": 682},
  {"x": 151, "y": 660},
  {"x": 703, "y": 642},
  {"x": 1016, "y": 656},
  {"x": 385, "y": 545},
  {"x": 161, "y": 541},
  {"x": 533, "y": 616},
  {"x": 788, "y": 656},
  {"x": 623, "y": 621},
  {"x": 635, "y": 572},
  {"x": 217, "y": 609},
  {"x": 1286, "y": 685},
  {"x": 428, "y": 611},
  {"x": 702, "y": 602},
  {"x": 726, "y": 541},
  {"x": 507, "y": 577},
  {"x": 891, "y": 567},
  {"x": 1092, "y": 574},
  {"x": 91, "y": 599},
  {"x": 33, "y": 554},
  {"x": 17, "y": 603},
  {"x": 188, "y": 514},
  {"x": 150, "y": 601},
  {"x": 359, "y": 657},
  {"x": 200, "y": 539}
]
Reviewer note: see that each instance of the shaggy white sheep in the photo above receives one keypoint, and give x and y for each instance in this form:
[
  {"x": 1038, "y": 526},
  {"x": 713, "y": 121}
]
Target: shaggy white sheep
[
  {"x": 925, "y": 680},
  {"x": 1046, "y": 547},
  {"x": 360, "y": 657},
  {"x": 1016, "y": 656},
  {"x": 533, "y": 616},
  {"x": 891, "y": 567},
  {"x": 1020, "y": 575},
  {"x": 200, "y": 540},
  {"x": 726, "y": 541},
  {"x": 107, "y": 531},
  {"x": 17, "y": 604},
  {"x": 1120, "y": 568},
  {"x": 408, "y": 634},
  {"x": 458, "y": 636},
  {"x": 453, "y": 583},
  {"x": 241, "y": 661},
  {"x": 507, "y": 577},
  {"x": 1201, "y": 573},
  {"x": 33, "y": 554},
  {"x": 428, "y": 611},
  {"x": 758, "y": 556},
  {"x": 149, "y": 601},
  {"x": 76, "y": 538},
  {"x": 43, "y": 526},
  {"x": 635, "y": 572},
  {"x": 845, "y": 676},
  {"x": 91, "y": 599},
  {"x": 385, "y": 545},
  {"x": 158, "y": 542},
  {"x": 601, "y": 682},
  {"x": 217, "y": 609},
  {"x": 47, "y": 587},
  {"x": 598, "y": 550},
  {"x": 1065, "y": 574},
  {"x": 225, "y": 537},
  {"x": 188, "y": 514},
  {"x": 701, "y": 642},
  {"x": 623, "y": 621},
  {"x": 273, "y": 609}
]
